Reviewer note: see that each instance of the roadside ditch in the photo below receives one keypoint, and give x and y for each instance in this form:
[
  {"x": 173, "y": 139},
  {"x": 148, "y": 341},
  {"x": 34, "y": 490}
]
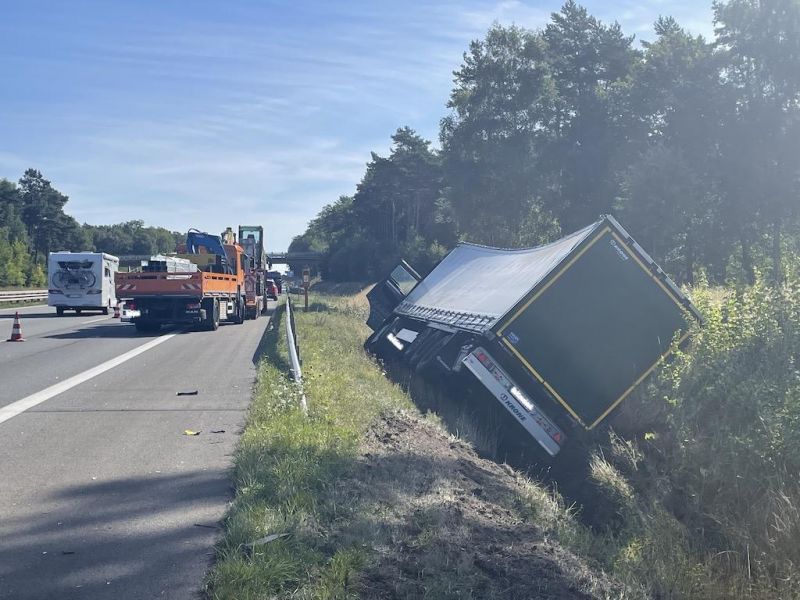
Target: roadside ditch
[{"x": 367, "y": 497}]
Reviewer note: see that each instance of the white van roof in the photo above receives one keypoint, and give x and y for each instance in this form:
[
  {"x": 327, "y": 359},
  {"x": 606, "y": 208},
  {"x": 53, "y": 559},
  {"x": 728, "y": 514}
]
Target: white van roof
[{"x": 83, "y": 255}]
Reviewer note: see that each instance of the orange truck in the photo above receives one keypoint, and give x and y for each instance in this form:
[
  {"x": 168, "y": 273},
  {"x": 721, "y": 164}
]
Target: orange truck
[
  {"x": 202, "y": 285},
  {"x": 251, "y": 237}
]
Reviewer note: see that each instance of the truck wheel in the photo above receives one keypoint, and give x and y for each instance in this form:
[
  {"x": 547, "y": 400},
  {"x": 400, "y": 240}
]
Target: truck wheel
[
  {"x": 212, "y": 314},
  {"x": 60, "y": 311},
  {"x": 239, "y": 320},
  {"x": 105, "y": 310},
  {"x": 78, "y": 311}
]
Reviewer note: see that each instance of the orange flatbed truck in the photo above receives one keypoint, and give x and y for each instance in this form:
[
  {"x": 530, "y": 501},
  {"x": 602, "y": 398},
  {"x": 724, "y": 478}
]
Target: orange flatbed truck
[{"x": 214, "y": 292}]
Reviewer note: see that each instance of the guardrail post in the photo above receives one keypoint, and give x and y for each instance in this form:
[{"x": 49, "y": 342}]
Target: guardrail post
[{"x": 294, "y": 355}]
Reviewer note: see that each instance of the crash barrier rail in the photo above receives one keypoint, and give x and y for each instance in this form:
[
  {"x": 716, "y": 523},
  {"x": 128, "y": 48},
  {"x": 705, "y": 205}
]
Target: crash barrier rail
[
  {"x": 294, "y": 352},
  {"x": 23, "y": 295}
]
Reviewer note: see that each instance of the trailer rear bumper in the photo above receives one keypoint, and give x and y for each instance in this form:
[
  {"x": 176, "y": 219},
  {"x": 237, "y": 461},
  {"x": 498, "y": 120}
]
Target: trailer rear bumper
[
  {"x": 163, "y": 311},
  {"x": 549, "y": 436}
]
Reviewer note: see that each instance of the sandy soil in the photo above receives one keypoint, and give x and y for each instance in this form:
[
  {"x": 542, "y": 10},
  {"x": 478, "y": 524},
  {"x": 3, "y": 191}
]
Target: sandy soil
[{"x": 449, "y": 524}]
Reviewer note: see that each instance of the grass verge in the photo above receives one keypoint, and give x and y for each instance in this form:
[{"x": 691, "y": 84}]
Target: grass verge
[
  {"x": 367, "y": 498},
  {"x": 286, "y": 465}
]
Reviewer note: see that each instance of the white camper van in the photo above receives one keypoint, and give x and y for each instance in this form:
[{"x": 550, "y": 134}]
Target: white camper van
[{"x": 81, "y": 281}]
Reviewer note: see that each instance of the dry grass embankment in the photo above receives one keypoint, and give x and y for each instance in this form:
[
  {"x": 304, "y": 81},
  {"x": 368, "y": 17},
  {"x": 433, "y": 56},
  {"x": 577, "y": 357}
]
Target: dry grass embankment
[
  {"x": 371, "y": 499},
  {"x": 695, "y": 492}
]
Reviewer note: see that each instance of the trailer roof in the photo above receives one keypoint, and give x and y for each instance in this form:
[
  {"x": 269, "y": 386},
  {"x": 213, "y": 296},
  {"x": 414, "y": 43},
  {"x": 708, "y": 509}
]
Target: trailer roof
[{"x": 474, "y": 286}]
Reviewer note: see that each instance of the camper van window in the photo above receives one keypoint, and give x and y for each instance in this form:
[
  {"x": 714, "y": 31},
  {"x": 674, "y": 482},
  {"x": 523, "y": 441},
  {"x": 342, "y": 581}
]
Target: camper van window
[{"x": 74, "y": 264}]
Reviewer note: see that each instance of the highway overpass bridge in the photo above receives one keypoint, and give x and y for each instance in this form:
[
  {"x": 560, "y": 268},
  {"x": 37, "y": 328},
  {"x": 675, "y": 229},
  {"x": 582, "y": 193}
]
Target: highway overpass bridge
[{"x": 295, "y": 258}]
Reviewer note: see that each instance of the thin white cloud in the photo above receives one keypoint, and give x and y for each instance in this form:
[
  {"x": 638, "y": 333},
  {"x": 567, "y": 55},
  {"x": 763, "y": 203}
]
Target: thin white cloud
[{"x": 507, "y": 12}]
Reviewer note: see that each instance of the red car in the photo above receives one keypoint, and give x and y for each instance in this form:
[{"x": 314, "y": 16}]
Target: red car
[{"x": 271, "y": 289}]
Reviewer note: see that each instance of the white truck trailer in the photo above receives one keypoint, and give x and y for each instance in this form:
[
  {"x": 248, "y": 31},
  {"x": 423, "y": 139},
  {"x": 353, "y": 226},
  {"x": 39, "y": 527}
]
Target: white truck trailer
[{"x": 81, "y": 281}]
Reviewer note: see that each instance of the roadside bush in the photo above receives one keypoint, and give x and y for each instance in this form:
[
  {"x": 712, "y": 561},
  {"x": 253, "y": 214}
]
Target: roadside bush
[{"x": 724, "y": 462}]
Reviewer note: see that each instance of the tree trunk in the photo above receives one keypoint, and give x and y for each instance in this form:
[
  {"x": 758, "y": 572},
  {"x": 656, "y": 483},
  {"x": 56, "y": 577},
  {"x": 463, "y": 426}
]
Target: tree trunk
[
  {"x": 394, "y": 224},
  {"x": 777, "y": 263},
  {"x": 416, "y": 215},
  {"x": 747, "y": 260},
  {"x": 689, "y": 255}
]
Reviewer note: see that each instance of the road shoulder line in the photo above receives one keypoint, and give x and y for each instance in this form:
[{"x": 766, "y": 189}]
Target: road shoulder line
[{"x": 20, "y": 406}]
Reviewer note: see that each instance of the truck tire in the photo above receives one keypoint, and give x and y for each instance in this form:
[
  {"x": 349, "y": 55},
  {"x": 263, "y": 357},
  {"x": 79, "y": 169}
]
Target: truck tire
[
  {"x": 59, "y": 311},
  {"x": 78, "y": 311},
  {"x": 240, "y": 308},
  {"x": 105, "y": 310},
  {"x": 212, "y": 314}
]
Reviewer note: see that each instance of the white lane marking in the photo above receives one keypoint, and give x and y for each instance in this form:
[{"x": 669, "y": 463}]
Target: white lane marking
[
  {"x": 95, "y": 320},
  {"x": 20, "y": 406}
]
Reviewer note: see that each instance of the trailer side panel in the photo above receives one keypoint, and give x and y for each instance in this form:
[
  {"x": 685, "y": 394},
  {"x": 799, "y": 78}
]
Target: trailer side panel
[{"x": 596, "y": 327}]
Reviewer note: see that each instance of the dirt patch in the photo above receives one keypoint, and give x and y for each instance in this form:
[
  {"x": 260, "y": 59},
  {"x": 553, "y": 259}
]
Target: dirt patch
[{"x": 448, "y": 524}]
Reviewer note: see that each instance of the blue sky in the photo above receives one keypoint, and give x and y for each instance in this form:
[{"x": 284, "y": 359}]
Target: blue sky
[{"x": 201, "y": 113}]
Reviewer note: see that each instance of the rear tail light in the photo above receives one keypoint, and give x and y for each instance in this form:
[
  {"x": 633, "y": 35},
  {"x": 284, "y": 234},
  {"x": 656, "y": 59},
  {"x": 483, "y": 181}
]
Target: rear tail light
[
  {"x": 193, "y": 306},
  {"x": 129, "y": 306}
]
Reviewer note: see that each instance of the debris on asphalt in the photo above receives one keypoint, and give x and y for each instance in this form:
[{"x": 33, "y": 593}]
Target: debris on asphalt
[
  {"x": 217, "y": 431},
  {"x": 66, "y": 552},
  {"x": 190, "y": 393},
  {"x": 190, "y": 432},
  {"x": 207, "y": 526}
]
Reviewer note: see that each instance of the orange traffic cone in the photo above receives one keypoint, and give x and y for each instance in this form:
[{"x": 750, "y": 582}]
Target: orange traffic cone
[
  {"x": 116, "y": 311},
  {"x": 16, "y": 330}
]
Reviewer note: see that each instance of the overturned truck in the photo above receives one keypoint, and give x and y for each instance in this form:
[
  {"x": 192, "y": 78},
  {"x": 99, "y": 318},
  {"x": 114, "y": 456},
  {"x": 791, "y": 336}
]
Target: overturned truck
[{"x": 559, "y": 334}]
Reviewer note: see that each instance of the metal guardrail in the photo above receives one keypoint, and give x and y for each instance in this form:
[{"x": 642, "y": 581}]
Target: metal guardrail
[
  {"x": 294, "y": 352},
  {"x": 23, "y": 295}
]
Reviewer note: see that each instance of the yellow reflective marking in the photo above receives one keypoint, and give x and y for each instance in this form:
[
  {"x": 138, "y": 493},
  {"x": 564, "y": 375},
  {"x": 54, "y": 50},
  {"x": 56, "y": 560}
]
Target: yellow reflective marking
[
  {"x": 553, "y": 280},
  {"x": 536, "y": 374},
  {"x": 543, "y": 382},
  {"x": 637, "y": 382},
  {"x": 648, "y": 271}
]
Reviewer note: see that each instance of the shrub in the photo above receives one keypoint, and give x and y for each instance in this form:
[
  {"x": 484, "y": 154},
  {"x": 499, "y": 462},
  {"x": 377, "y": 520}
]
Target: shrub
[{"x": 728, "y": 451}]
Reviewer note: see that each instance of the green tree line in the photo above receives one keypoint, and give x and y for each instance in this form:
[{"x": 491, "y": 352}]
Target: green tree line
[
  {"x": 33, "y": 223},
  {"x": 693, "y": 144}
]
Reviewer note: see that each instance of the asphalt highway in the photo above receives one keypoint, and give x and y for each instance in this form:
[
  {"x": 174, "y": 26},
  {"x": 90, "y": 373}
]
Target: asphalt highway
[{"x": 102, "y": 495}]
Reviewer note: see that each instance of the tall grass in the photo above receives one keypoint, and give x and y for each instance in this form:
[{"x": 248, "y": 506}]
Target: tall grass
[
  {"x": 698, "y": 486},
  {"x": 715, "y": 505},
  {"x": 286, "y": 464}
]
